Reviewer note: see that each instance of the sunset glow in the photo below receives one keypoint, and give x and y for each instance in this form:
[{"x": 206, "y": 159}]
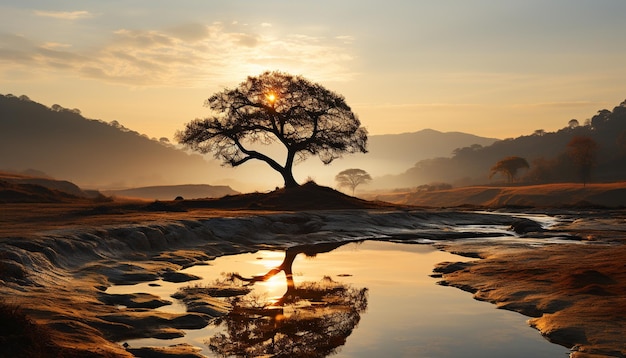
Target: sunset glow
[{"x": 497, "y": 70}]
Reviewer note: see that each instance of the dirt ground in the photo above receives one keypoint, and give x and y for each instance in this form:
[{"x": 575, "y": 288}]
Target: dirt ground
[{"x": 574, "y": 294}]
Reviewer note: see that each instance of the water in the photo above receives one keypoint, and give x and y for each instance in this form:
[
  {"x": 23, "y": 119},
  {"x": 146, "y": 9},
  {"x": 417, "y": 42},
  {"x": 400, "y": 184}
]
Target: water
[{"x": 407, "y": 314}]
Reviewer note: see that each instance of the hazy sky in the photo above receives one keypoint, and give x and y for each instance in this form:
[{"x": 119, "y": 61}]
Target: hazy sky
[{"x": 492, "y": 68}]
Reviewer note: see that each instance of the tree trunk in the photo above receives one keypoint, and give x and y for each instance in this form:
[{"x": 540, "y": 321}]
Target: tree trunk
[
  {"x": 290, "y": 181},
  {"x": 287, "y": 172}
]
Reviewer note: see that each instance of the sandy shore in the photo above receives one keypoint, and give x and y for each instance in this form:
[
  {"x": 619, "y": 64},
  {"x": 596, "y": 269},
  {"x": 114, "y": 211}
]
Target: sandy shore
[{"x": 56, "y": 265}]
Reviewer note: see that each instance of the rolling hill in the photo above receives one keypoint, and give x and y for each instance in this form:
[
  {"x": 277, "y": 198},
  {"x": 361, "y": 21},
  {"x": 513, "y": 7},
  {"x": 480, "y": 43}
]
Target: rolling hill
[
  {"x": 546, "y": 152},
  {"x": 107, "y": 156}
]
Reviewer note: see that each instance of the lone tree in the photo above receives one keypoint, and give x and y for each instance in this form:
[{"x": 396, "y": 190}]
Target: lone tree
[
  {"x": 352, "y": 178},
  {"x": 306, "y": 118},
  {"x": 509, "y": 167},
  {"x": 582, "y": 151}
]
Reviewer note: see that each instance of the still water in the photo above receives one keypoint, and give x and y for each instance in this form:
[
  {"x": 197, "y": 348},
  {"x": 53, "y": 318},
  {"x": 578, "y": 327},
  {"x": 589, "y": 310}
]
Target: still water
[{"x": 406, "y": 314}]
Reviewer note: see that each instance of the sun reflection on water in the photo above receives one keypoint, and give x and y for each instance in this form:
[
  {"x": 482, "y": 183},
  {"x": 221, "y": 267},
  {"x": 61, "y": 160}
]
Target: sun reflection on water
[
  {"x": 268, "y": 259},
  {"x": 273, "y": 289}
]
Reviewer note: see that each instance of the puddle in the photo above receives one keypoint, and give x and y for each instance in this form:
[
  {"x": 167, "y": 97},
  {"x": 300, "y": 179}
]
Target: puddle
[{"x": 383, "y": 303}]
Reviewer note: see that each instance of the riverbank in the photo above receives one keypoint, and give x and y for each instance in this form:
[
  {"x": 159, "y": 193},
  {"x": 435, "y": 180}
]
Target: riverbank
[
  {"x": 59, "y": 277},
  {"x": 57, "y": 260},
  {"x": 574, "y": 294}
]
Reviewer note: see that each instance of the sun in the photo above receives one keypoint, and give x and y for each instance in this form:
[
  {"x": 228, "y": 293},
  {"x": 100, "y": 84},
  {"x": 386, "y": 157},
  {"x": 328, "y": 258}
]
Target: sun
[{"x": 271, "y": 97}]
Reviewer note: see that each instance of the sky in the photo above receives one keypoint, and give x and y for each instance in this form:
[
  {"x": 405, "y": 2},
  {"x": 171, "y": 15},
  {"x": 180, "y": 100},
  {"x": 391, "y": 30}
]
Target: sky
[{"x": 492, "y": 68}]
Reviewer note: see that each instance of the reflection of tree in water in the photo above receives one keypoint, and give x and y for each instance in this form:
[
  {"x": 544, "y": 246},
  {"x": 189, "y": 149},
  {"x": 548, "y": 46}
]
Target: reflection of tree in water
[{"x": 311, "y": 320}]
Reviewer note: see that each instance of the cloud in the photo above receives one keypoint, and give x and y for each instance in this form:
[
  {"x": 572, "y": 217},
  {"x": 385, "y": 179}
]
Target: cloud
[
  {"x": 248, "y": 40},
  {"x": 54, "y": 45},
  {"x": 65, "y": 15},
  {"x": 190, "y": 32},
  {"x": 418, "y": 106},
  {"x": 563, "y": 104},
  {"x": 191, "y": 55},
  {"x": 346, "y": 39}
]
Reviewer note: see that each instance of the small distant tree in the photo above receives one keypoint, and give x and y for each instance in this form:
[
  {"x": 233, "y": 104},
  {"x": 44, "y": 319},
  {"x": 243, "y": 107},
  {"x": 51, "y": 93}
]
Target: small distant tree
[
  {"x": 275, "y": 107},
  {"x": 582, "y": 150},
  {"x": 573, "y": 123},
  {"x": 352, "y": 178},
  {"x": 509, "y": 167}
]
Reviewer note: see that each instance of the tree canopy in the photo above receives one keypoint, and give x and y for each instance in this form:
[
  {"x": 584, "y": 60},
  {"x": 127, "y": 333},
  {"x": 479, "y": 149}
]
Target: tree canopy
[
  {"x": 352, "y": 178},
  {"x": 275, "y": 107},
  {"x": 509, "y": 167}
]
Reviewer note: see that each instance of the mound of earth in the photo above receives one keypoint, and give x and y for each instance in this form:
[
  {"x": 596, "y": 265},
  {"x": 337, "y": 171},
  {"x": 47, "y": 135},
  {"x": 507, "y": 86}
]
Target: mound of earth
[
  {"x": 309, "y": 196},
  {"x": 31, "y": 193},
  {"x": 170, "y": 192},
  {"x": 19, "y": 188}
]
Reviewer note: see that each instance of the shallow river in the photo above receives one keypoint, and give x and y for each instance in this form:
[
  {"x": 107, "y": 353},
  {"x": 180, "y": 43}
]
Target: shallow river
[{"x": 406, "y": 314}]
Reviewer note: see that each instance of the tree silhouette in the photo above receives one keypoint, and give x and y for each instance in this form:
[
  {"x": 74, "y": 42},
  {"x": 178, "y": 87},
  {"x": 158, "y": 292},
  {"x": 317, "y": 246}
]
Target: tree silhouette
[
  {"x": 509, "y": 167},
  {"x": 352, "y": 178},
  {"x": 311, "y": 320},
  {"x": 306, "y": 118},
  {"x": 582, "y": 150}
]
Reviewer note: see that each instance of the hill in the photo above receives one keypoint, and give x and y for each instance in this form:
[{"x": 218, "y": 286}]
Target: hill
[
  {"x": 21, "y": 188},
  {"x": 545, "y": 151},
  {"x": 561, "y": 195},
  {"x": 390, "y": 154},
  {"x": 308, "y": 196},
  {"x": 92, "y": 153},
  {"x": 169, "y": 192},
  {"x": 96, "y": 154}
]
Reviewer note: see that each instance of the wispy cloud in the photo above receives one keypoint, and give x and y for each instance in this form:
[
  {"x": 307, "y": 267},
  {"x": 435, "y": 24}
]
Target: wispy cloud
[
  {"x": 191, "y": 55},
  {"x": 416, "y": 106},
  {"x": 65, "y": 15},
  {"x": 563, "y": 104},
  {"x": 346, "y": 39}
]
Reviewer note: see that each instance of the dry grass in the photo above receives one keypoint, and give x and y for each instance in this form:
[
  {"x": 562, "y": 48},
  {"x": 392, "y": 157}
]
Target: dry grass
[
  {"x": 21, "y": 337},
  {"x": 609, "y": 195}
]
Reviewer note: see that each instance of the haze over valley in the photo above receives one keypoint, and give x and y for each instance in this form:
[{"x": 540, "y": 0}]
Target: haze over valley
[
  {"x": 104, "y": 155},
  {"x": 100, "y": 155}
]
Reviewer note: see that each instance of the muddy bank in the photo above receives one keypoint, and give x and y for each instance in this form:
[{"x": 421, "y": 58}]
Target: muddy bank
[
  {"x": 574, "y": 293},
  {"x": 59, "y": 277}
]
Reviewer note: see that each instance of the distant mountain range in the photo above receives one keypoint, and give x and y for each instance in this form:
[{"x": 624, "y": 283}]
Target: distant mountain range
[
  {"x": 95, "y": 154},
  {"x": 107, "y": 156},
  {"x": 548, "y": 153}
]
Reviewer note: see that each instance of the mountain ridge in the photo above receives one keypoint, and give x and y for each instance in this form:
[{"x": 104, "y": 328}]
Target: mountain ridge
[{"x": 105, "y": 155}]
